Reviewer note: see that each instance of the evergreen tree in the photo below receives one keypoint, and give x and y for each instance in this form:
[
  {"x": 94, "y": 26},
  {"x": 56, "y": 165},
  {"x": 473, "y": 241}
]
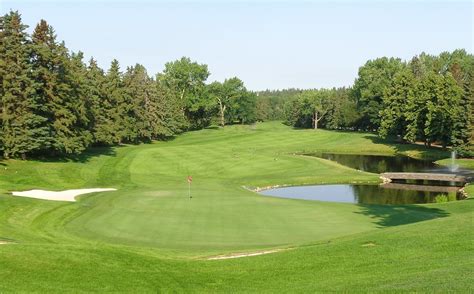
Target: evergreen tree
[
  {"x": 114, "y": 129},
  {"x": 23, "y": 129},
  {"x": 99, "y": 108},
  {"x": 138, "y": 89},
  {"x": 81, "y": 103},
  {"x": 165, "y": 112},
  {"x": 60, "y": 88}
]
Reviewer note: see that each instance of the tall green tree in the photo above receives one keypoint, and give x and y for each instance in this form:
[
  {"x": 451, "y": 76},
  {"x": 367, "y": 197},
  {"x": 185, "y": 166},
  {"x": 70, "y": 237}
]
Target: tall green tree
[
  {"x": 308, "y": 108},
  {"x": 229, "y": 96},
  {"x": 99, "y": 107},
  {"x": 270, "y": 103},
  {"x": 114, "y": 130},
  {"x": 342, "y": 113},
  {"x": 59, "y": 86},
  {"x": 23, "y": 126},
  {"x": 393, "y": 115},
  {"x": 373, "y": 79},
  {"x": 187, "y": 80},
  {"x": 81, "y": 103},
  {"x": 433, "y": 109},
  {"x": 166, "y": 111},
  {"x": 244, "y": 108},
  {"x": 154, "y": 114}
]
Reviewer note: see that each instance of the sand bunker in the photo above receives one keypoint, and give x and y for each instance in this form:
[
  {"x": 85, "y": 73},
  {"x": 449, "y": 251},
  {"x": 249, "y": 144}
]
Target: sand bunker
[
  {"x": 238, "y": 255},
  {"x": 67, "y": 195}
]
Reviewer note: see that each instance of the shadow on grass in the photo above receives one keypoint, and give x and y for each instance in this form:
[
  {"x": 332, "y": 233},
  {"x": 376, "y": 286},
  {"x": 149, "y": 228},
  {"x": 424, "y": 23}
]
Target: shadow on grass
[
  {"x": 396, "y": 215},
  {"x": 82, "y": 158},
  {"x": 427, "y": 153}
]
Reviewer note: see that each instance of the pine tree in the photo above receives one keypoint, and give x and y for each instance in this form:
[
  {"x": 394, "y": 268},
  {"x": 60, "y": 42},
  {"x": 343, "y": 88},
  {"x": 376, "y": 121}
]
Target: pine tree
[
  {"x": 165, "y": 112},
  {"x": 137, "y": 98},
  {"x": 59, "y": 87},
  {"x": 114, "y": 129},
  {"x": 23, "y": 129},
  {"x": 100, "y": 108},
  {"x": 80, "y": 101}
]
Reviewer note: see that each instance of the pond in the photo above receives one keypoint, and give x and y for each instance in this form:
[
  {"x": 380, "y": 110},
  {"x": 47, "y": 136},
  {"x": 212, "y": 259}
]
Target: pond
[
  {"x": 368, "y": 194},
  {"x": 381, "y": 164},
  {"x": 399, "y": 192}
]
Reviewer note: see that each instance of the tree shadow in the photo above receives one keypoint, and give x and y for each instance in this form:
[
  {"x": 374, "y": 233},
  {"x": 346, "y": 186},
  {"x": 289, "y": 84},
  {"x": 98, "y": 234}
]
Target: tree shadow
[
  {"x": 84, "y": 157},
  {"x": 396, "y": 215},
  {"x": 425, "y": 153}
]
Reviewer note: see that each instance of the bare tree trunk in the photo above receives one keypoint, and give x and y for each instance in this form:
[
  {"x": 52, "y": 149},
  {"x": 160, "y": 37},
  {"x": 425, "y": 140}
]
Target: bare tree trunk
[
  {"x": 183, "y": 110},
  {"x": 316, "y": 120},
  {"x": 221, "y": 111}
]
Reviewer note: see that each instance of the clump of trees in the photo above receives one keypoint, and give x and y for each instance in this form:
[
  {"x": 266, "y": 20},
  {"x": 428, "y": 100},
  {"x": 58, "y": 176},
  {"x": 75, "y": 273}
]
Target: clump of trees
[
  {"x": 236, "y": 104},
  {"x": 53, "y": 103},
  {"x": 322, "y": 108},
  {"x": 270, "y": 103},
  {"x": 429, "y": 99}
]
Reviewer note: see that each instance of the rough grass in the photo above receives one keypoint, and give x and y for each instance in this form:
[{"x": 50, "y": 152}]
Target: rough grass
[{"x": 149, "y": 236}]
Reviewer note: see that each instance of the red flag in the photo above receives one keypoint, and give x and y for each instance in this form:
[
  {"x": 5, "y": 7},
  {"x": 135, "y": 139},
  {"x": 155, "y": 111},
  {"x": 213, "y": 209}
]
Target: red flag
[{"x": 190, "y": 179}]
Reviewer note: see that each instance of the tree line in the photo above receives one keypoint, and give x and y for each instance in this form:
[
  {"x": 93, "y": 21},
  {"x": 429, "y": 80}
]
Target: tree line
[
  {"x": 53, "y": 103},
  {"x": 270, "y": 103},
  {"x": 428, "y": 98}
]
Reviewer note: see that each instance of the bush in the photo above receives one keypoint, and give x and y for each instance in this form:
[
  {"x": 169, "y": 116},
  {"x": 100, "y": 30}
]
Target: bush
[
  {"x": 441, "y": 198},
  {"x": 465, "y": 151}
]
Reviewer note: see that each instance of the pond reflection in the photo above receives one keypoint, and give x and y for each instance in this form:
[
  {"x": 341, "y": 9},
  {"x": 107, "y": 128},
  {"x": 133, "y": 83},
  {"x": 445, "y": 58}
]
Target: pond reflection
[
  {"x": 381, "y": 163},
  {"x": 368, "y": 194}
]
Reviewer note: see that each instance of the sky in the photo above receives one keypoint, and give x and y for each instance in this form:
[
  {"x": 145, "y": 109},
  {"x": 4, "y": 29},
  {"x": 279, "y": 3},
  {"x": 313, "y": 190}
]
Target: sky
[{"x": 268, "y": 44}]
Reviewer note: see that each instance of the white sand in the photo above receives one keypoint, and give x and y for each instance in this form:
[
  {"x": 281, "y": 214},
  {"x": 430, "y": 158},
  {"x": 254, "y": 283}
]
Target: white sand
[
  {"x": 67, "y": 195},
  {"x": 238, "y": 255}
]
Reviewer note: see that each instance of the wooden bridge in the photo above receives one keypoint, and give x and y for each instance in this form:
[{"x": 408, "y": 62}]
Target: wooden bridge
[
  {"x": 409, "y": 187},
  {"x": 387, "y": 177}
]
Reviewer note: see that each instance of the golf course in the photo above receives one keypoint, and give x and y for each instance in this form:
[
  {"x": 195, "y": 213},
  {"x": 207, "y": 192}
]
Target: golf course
[{"x": 148, "y": 235}]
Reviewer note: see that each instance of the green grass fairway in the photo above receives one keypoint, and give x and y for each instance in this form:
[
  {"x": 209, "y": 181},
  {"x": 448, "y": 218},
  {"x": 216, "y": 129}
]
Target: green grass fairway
[{"x": 148, "y": 236}]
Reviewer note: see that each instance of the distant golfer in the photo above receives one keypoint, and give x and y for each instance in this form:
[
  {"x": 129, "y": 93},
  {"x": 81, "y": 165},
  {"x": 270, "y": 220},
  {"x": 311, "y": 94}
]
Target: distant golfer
[{"x": 190, "y": 179}]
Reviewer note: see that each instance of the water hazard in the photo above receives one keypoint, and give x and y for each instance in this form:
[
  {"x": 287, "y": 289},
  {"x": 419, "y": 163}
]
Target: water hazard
[
  {"x": 400, "y": 192},
  {"x": 364, "y": 194}
]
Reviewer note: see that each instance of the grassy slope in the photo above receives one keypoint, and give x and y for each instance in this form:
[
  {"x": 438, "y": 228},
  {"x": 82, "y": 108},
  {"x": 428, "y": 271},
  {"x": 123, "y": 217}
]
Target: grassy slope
[
  {"x": 464, "y": 162},
  {"x": 143, "y": 236}
]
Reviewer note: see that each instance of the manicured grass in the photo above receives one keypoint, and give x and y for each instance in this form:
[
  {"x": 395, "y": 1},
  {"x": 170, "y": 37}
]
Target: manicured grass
[
  {"x": 149, "y": 236},
  {"x": 462, "y": 162}
]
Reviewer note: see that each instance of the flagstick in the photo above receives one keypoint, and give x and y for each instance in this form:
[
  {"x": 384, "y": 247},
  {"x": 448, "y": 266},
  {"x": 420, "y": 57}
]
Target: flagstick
[{"x": 189, "y": 185}]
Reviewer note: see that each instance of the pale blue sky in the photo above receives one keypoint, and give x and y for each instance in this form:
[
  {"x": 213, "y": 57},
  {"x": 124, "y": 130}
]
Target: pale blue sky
[{"x": 268, "y": 44}]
